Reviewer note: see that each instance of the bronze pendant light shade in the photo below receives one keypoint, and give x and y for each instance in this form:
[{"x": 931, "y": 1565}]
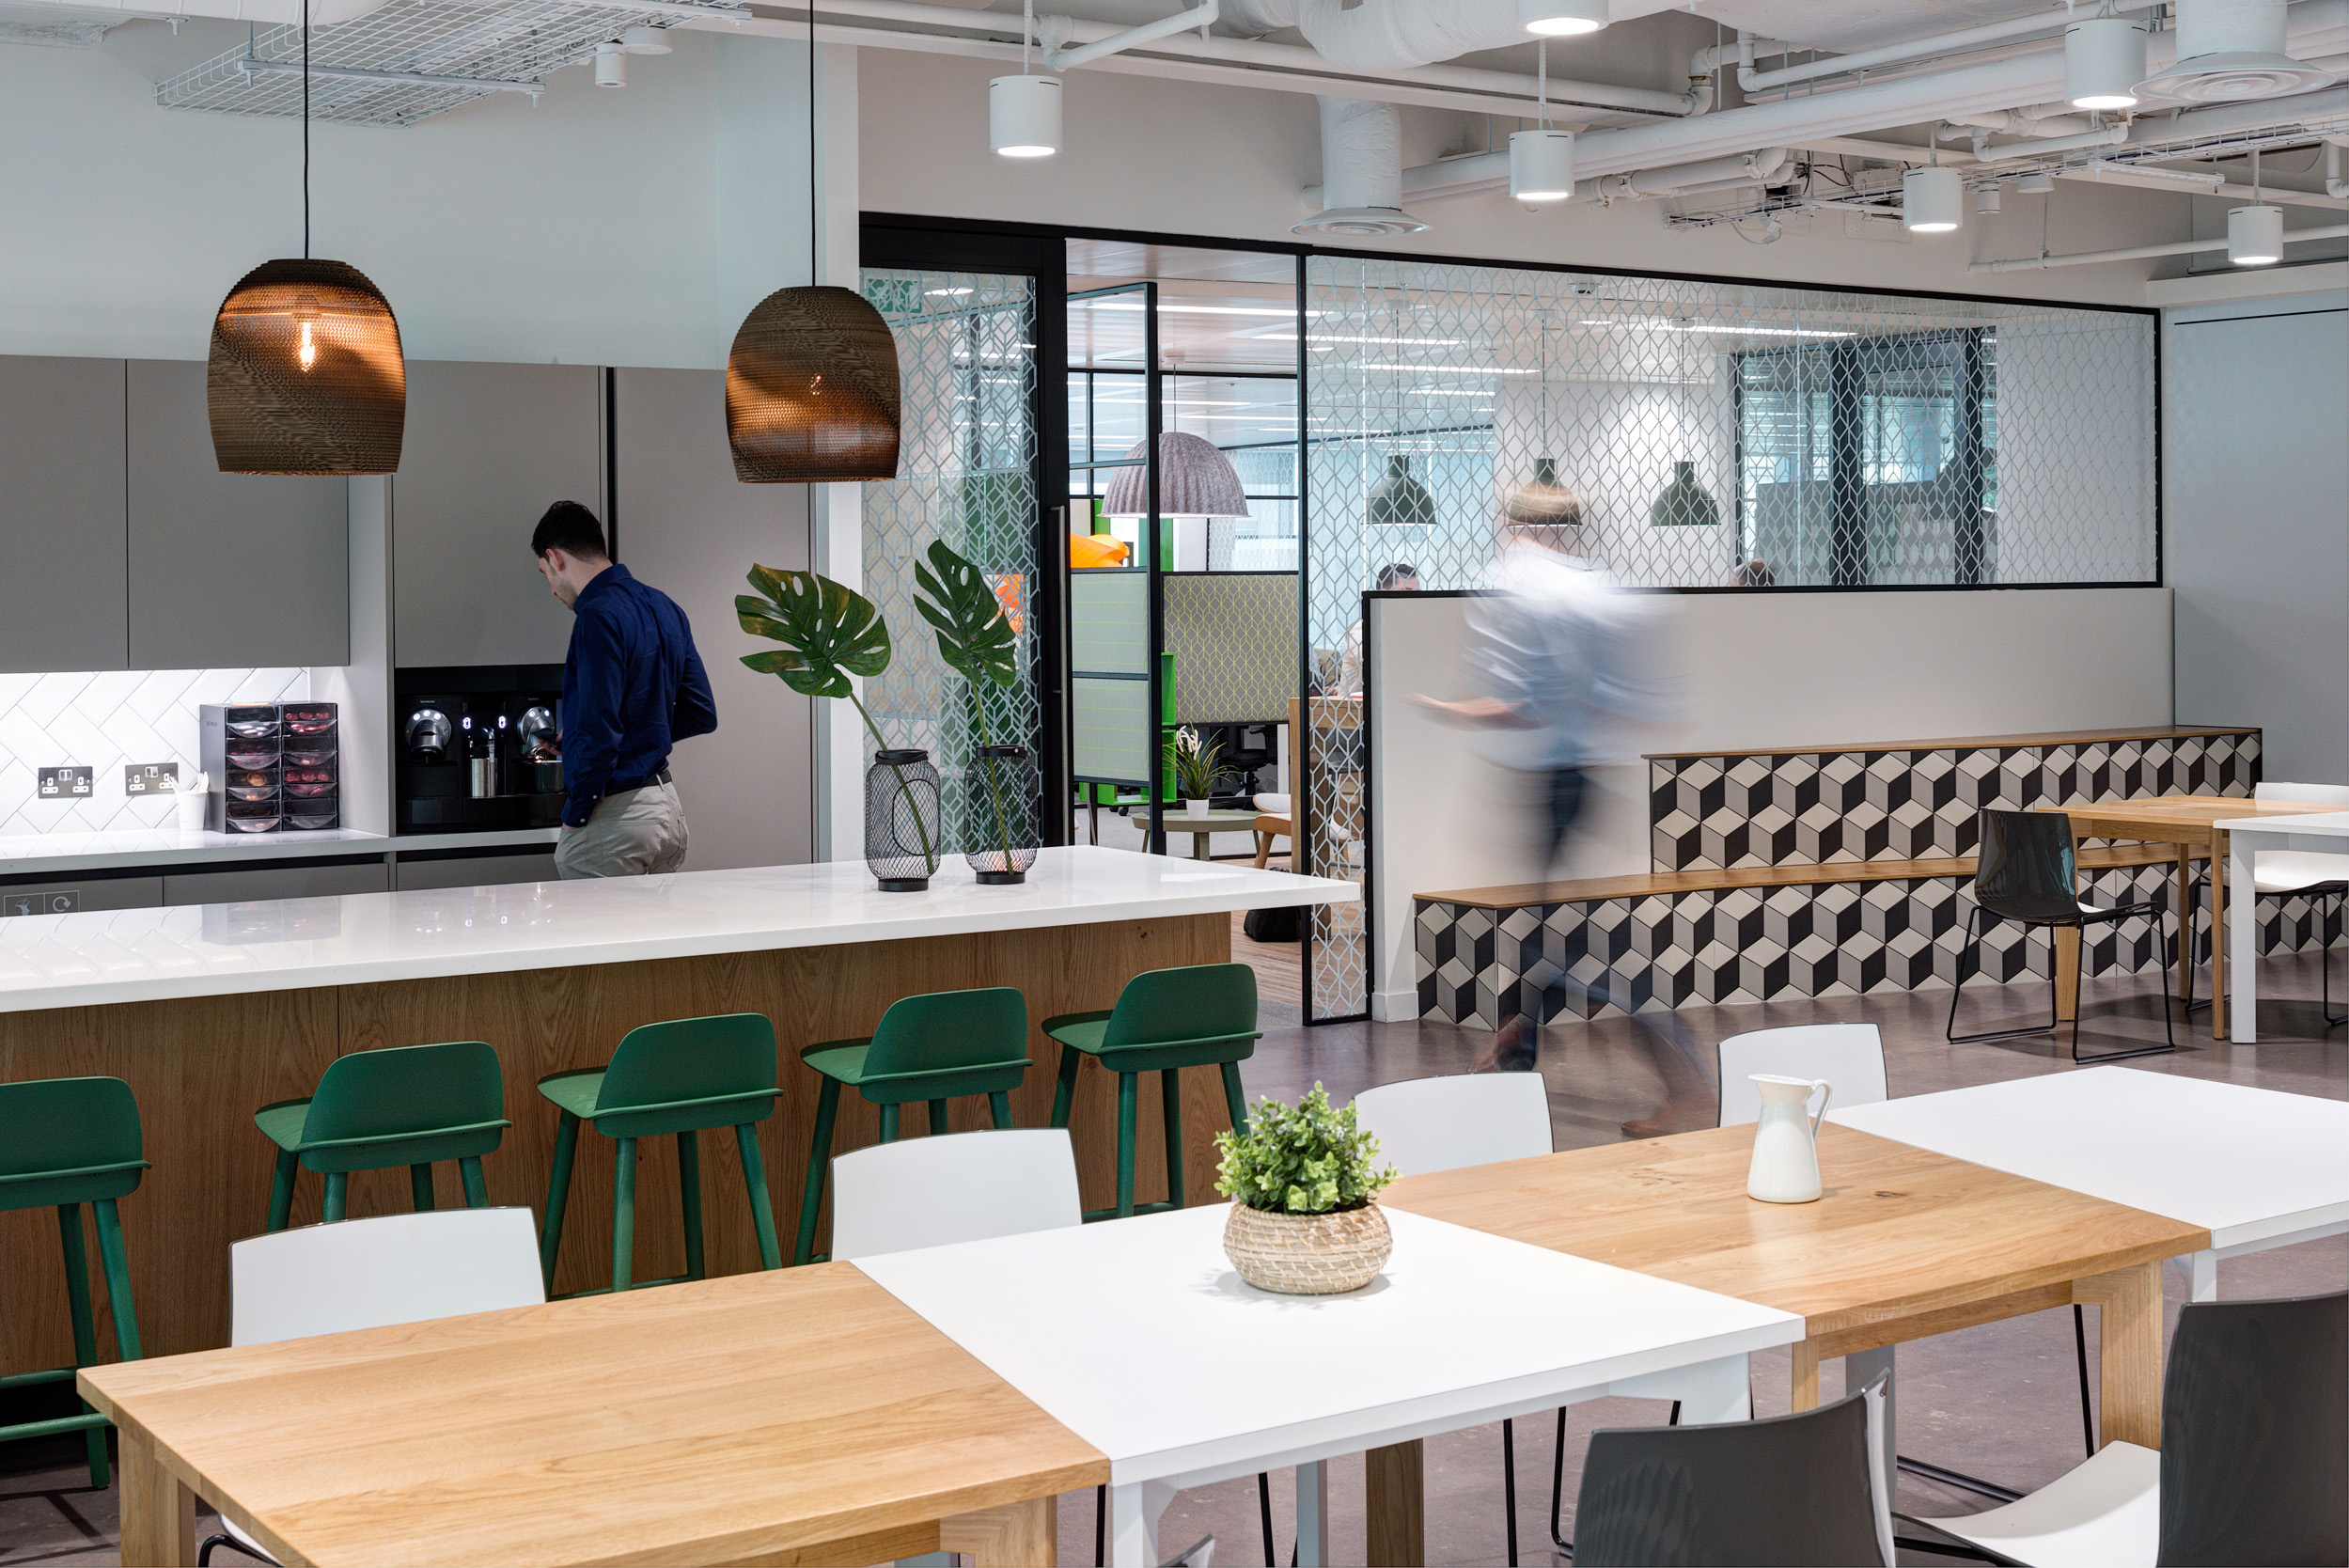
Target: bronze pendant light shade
[
  {"x": 305, "y": 375},
  {"x": 811, "y": 390}
]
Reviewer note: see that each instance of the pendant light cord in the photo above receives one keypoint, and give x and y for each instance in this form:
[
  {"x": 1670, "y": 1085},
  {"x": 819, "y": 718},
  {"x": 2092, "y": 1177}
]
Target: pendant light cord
[
  {"x": 813, "y": 277},
  {"x": 306, "y": 130}
]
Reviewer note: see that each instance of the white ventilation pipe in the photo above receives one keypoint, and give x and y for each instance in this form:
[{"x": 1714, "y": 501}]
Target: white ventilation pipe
[
  {"x": 2051, "y": 141},
  {"x": 2015, "y": 122},
  {"x": 1486, "y": 171},
  {"x": 2133, "y": 253},
  {"x": 1361, "y": 171},
  {"x": 2335, "y": 186},
  {"x": 2047, "y": 24}
]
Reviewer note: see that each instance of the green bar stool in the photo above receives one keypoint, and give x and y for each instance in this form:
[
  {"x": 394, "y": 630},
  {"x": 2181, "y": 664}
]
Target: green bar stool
[
  {"x": 67, "y": 1142},
  {"x": 405, "y": 1104},
  {"x": 685, "y": 1077},
  {"x": 935, "y": 1047},
  {"x": 1165, "y": 1020}
]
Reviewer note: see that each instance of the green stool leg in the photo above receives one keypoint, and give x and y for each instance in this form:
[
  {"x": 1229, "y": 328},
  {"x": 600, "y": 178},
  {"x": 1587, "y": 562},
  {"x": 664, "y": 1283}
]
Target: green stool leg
[
  {"x": 85, "y": 1324},
  {"x": 689, "y": 1183},
  {"x": 1125, "y": 1144},
  {"x": 888, "y": 1124},
  {"x": 938, "y": 1126},
  {"x": 1065, "y": 1089},
  {"x": 281, "y": 1191},
  {"x": 1000, "y": 1104},
  {"x": 420, "y": 1186},
  {"x": 476, "y": 1191},
  {"x": 761, "y": 1211},
  {"x": 1171, "y": 1110},
  {"x": 623, "y": 1211},
  {"x": 1234, "y": 1100},
  {"x": 557, "y": 1196},
  {"x": 819, "y": 1160},
  {"x": 337, "y": 1191},
  {"x": 126, "y": 1320}
]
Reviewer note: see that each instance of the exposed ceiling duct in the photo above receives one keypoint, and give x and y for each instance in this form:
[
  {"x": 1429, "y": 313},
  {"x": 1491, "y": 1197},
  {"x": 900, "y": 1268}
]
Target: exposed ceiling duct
[
  {"x": 1361, "y": 172},
  {"x": 2230, "y": 50}
]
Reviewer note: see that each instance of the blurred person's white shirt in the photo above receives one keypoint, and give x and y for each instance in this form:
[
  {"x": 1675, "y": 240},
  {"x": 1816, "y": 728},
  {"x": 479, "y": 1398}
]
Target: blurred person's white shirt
[{"x": 1550, "y": 644}]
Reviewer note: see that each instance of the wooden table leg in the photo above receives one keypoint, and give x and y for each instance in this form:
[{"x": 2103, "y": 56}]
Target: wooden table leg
[
  {"x": 2067, "y": 973},
  {"x": 2218, "y": 935},
  {"x": 2128, "y": 1334},
  {"x": 2185, "y": 926},
  {"x": 1017, "y": 1535},
  {"x": 1807, "y": 1374},
  {"x": 1395, "y": 1498},
  {"x": 158, "y": 1513}
]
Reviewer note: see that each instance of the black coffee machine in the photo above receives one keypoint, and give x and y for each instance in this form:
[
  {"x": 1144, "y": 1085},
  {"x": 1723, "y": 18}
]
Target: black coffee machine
[{"x": 478, "y": 747}]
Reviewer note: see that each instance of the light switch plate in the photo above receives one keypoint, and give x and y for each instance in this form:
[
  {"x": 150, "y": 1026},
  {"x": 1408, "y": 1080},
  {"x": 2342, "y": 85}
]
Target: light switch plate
[
  {"x": 150, "y": 778},
  {"x": 67, "y": 783}
]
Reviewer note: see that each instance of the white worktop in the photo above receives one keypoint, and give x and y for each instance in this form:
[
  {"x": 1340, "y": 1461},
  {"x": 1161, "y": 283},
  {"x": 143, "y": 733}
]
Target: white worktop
[
  {"x": 48, "y": 961},
  {"x": 168, "y": 848}
]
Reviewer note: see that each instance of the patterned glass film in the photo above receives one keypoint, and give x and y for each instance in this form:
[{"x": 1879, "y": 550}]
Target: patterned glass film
[
  {"x": 966, "y": 475},
  {"x": 1834, "y": 438}
]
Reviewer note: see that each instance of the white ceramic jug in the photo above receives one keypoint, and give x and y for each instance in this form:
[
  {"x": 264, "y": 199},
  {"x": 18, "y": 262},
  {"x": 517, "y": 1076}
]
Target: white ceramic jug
[{"x": 1786, "y": 1140}]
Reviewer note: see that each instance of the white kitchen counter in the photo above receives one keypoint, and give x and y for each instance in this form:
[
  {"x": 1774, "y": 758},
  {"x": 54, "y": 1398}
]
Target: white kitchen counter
[
  {"x": 168, "y": 849},
  {"x": 52, "y": 961}
]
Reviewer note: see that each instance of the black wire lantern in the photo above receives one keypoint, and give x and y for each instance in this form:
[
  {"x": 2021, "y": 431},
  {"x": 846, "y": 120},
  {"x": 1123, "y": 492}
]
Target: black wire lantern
[
  {"x": 903, "y": 820},
  {"x": 999, "y": 827}
]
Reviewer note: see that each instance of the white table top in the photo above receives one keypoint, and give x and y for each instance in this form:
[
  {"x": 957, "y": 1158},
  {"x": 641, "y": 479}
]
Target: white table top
[
  {"x": 168, "y": 849},
  {"x": 2322, "y": 825},
  {"x": 2246, "y": 1164},
  {"x": 48, "y": 961},
  {"x": 1136, "y": 1335}
]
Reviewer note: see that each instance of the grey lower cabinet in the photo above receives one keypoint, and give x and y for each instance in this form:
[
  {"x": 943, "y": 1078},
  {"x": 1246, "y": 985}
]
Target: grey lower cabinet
[
  {"x": 227, "y": 571},
  {"x": 300, "y": 879},
  {"x": 489, "y": 447},
  {"x": 473, "y": 868},
  {"x": 62, "y": 605}
]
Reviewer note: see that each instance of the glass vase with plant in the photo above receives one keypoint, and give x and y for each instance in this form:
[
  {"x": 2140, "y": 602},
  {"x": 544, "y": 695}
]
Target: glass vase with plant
[
  {"x": 1198, "y": 767},
  {"x": 976, "y": 640},
  {"x": 1304, "y": 1181},
  {"x": 829, "y": 632}
]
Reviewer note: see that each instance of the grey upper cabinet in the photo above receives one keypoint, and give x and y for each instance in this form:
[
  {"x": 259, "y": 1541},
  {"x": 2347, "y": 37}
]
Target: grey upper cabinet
[
  {"x": 489, "y": 449},
  {"x": 61, "y": 515},
  {"x": 227, "y": 570}
]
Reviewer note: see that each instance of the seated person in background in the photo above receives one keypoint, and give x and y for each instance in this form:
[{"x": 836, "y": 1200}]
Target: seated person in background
[{"x": 1395, "y": 577}]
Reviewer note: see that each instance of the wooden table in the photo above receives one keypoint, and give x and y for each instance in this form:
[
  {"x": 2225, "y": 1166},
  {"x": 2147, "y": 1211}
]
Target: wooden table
[
  {"x": 2190, "y": 822},
  {"x": 1905, "y": 1243},
  {"x": 801, "y": 1417}
]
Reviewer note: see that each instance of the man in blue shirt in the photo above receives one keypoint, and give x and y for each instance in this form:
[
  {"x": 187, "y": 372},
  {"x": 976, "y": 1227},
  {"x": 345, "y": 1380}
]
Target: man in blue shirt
[{"x": 632, "y": 686}]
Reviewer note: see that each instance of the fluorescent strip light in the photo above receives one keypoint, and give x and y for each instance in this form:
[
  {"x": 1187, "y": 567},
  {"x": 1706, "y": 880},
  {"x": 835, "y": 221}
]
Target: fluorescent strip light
[
  {"x": 1321, "y": 337},
  {"x": 1726, "y": 328},
  {"x": 1450, "y": 370},
  {"x": 1198, "y": 310}
]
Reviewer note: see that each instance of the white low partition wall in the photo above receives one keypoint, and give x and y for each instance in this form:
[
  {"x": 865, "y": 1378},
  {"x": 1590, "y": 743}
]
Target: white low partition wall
[{"x": 1802, "y": 670}]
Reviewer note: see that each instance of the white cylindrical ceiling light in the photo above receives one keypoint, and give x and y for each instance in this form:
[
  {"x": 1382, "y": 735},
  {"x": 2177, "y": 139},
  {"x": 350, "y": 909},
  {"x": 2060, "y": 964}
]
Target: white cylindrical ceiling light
[
  {"x": 2255, "y": 236},
  {"x": 1932, "y": 200},
  {"x": 611, "y": 66},
  {"x": 2104, "y": 61},
  {"x": 1024, "y": 116},
  {"x": 1561, "y": 18},
  {"x": 1542, "y": 165}
]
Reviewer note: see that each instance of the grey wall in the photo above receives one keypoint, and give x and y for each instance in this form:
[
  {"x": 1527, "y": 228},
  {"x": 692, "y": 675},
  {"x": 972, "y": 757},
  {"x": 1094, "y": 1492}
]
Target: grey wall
[
  {"x": 688, "y": 527},
  {"x": 2255, "y": 471}
]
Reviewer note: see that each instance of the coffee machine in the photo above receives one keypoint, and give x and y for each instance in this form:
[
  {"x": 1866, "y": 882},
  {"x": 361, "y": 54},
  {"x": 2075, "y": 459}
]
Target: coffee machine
[{"x": 478, "y": 747}]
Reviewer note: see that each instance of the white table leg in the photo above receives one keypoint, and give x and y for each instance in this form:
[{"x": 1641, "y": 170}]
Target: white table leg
[
  {"x": 1709, "y": 1392},
  {"x": 1133, "y": 1513},
  {"x": 2243, "y": 936},
  {"x": 1861, "y": 1368},
  {"x": 1313, "y": 1516},
  {"x": 2201, "y": 1275}
]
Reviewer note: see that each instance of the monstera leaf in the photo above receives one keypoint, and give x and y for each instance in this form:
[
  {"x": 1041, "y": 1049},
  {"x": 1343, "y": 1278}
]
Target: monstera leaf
[
  {"x": 975, "y": 636},
  {"x": 829, "y": 632}
]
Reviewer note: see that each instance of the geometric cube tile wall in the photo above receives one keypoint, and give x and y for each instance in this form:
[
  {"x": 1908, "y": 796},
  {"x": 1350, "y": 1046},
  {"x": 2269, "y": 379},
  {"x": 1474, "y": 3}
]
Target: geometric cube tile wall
[
  {"x": 1816, "y": 807},
  {"x": 1734, "y": 945}
]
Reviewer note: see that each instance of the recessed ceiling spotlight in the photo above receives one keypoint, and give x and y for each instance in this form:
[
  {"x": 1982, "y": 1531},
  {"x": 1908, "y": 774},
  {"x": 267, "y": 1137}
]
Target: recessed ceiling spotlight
[
  {"x": 1561, "y": 18},
  {"x": 2104, "y": 61}
]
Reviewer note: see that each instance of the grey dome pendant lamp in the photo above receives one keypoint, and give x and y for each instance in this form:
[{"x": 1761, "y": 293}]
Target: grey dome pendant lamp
[
  {"x": 305, "y": 374},
  {"x": 1195, "y": 479},
  {"x": 811, "y": 381},
  {"x": 1398, "y": 500}
]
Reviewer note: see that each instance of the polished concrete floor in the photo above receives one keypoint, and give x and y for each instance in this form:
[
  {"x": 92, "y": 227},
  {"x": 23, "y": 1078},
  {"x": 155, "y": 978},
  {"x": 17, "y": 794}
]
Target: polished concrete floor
[{"x": 2000, "y": 1400}]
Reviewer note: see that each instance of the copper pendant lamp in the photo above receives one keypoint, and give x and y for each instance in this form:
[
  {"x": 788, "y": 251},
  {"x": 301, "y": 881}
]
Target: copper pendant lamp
[
  {"x": 305, "y": 374},
  {"x": 811, "y": 381}
]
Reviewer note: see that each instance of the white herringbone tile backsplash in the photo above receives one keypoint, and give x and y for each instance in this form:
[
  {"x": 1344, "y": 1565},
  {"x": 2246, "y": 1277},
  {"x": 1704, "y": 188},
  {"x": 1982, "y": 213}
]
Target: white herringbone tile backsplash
[{"x": 105, "y": 720}]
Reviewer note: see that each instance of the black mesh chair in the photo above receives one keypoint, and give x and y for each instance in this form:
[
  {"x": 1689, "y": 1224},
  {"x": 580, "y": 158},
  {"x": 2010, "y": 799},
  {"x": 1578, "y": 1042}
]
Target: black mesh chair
[
  {"x": 2254, "y": 1461},
  {"x": 1803, "y": 1488},
  {"x": 2026, "y": 873}
]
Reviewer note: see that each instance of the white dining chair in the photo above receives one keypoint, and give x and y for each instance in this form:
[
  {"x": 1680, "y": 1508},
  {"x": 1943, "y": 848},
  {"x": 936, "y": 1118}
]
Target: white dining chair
[
  {"x": 2324, "y": 878},
  {"x": 373, "y": 1273},
  {"x": 965, "y": 1186},
  {"x": 1850, "y": 1056}
]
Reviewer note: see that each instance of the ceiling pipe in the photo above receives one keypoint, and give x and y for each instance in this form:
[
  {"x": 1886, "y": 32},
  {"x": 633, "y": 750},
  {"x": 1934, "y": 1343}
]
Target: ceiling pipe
[
  {"x": 2013, "y": 122},
  {"x": 1200, "y": 16},
  {"x": 2135, "y": 253},
  {"x": 1749, "y": 79},
  {"x": 2335, "y": 186},
  {"x": 1487, "y": 171},
  {"x": 2111, "y": 135}
]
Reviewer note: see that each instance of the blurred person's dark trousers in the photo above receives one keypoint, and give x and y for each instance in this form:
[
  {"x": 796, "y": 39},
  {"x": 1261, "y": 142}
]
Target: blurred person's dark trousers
[{"x": 1554, "y": 800}]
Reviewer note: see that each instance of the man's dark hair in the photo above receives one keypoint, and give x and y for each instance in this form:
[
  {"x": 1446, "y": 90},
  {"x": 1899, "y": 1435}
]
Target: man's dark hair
[
  {"x": 1389, "y": 575},
  {"x": 573, "y": 529}
]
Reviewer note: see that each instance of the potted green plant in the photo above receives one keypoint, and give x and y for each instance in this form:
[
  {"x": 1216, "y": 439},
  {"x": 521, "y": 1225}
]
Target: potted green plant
[
  {"x": 975, "y": 639},
  {"x": 1304, "y": 1182},
  {"x": 1198, "y": 768},
  {"x": 830, "y": 631}
]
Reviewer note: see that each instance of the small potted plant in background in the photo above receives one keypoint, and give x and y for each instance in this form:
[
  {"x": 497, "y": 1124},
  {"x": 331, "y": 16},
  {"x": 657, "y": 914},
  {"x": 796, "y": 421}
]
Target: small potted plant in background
[
  {"x": 1196, "y": 768},
  {"x": 1303, "y": 1181}
]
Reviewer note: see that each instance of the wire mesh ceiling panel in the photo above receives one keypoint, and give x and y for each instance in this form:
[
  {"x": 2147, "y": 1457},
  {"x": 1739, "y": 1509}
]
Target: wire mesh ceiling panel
[
  {"x": 966, "y": 475},
  {"x": 1712, "y": 434}
]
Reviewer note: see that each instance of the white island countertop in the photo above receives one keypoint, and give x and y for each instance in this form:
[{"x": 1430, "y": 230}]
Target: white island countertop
[
  {"x": 169, "y": 849},
  {"x": 52, "y": 961}
]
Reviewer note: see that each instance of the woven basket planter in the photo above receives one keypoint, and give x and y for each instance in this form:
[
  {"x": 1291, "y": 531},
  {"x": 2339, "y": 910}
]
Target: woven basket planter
[{"x": 1308, "y": 1254}]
